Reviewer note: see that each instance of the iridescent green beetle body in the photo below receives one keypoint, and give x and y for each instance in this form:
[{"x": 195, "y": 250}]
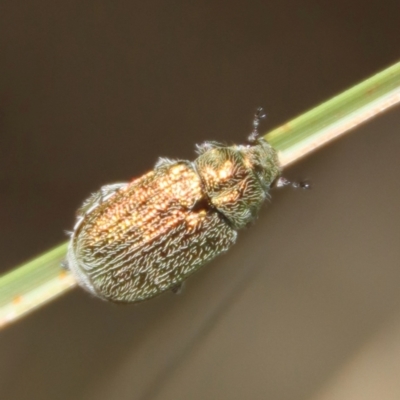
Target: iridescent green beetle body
[{"x": 136, "y": 240}]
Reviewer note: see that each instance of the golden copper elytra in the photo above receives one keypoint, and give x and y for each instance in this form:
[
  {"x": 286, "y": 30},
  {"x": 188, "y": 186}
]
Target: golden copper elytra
[{"x": 133, "y": 241}]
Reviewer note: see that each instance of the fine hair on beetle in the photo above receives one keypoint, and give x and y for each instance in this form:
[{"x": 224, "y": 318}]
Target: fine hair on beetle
[{"x": 133, "y": 241}]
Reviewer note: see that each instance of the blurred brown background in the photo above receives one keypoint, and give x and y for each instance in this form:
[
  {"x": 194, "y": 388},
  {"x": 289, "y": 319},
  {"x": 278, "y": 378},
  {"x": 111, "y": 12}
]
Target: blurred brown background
[{"x": 306, "y": 306}]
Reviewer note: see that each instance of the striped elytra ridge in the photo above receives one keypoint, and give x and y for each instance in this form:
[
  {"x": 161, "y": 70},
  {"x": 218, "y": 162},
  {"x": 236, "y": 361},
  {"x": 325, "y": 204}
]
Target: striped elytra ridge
[{"x": 133, "y": 241}]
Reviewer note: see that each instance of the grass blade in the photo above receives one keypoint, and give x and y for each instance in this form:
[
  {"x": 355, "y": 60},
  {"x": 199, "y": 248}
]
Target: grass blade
[{"x": 41, "y": 280}]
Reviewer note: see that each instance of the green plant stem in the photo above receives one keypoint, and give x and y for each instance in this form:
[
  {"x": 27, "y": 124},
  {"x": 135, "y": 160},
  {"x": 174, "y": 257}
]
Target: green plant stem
[
  {"x": 39, "y": 281},
  {"x": 33, "y": 284},
  {"x": 324, "y": 123}
]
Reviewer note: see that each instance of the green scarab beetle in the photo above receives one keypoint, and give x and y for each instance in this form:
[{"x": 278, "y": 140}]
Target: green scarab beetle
[{"x": 133, "y": 241}]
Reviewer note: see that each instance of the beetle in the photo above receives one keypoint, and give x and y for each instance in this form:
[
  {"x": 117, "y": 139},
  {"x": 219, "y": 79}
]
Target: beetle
[{"x": 133, "y": 241}]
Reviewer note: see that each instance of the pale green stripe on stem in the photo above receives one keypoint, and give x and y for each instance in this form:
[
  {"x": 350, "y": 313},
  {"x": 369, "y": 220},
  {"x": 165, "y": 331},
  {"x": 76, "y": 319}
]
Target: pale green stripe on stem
[
  {"x": 33, "y": 284},
  {"x": 337, "y": 116}
]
